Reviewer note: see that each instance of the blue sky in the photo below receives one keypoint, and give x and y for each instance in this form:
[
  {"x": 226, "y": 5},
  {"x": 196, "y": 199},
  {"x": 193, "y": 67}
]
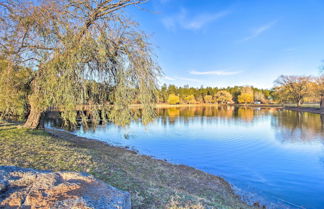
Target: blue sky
[{"x": 240, "y": 42}]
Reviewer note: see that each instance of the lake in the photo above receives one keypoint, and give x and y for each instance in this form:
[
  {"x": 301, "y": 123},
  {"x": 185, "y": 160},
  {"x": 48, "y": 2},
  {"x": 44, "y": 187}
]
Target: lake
[{"x": 267, "y": 154}]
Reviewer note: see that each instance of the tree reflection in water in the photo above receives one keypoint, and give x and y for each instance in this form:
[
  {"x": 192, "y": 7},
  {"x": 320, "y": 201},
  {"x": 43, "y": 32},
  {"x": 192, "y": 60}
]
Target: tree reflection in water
[
  {"x": 228, "y": 114},
  {"x": 289, "y": 126},
  {"x": 297, "y": 126}
]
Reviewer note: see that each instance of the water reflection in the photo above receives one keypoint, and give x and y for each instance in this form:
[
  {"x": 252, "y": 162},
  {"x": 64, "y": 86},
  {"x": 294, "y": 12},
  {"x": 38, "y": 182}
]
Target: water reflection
[
  {"x": 288, "y": 125},
  {"x": 171, "y": 115},
  {"x": 297, "y": 126}
]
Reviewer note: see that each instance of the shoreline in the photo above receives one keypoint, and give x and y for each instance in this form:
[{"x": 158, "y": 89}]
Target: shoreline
[
  {"x": 258, "y": 105},
  {"x": 224, "y": 188},
  {"x": 153, "y": 183},
  {"x": 313, "y": 110},
  {"x": 210, "y": 105},
  {"x": 164, "y": 105}
]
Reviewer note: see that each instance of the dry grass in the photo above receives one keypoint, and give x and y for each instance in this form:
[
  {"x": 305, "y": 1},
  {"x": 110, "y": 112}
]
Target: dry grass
[{"x": 176, "y": 204}]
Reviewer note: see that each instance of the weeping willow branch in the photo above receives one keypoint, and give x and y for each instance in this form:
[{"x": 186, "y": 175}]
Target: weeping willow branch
[{"x": 82, "y": 52}]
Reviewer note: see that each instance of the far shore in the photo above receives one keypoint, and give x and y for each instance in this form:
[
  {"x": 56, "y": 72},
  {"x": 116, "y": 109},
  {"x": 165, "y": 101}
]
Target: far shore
[
  {"x": 164, "y": 105},
  {"x": 314, "y": 110}
]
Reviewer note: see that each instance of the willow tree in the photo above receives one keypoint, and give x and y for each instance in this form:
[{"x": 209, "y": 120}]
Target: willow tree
[
  {"x": 14, "y": 89},
  {"x": 71, "y": 43}
]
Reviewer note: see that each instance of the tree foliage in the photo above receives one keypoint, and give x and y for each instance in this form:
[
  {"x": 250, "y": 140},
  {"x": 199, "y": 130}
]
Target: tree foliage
[
  {"x": 319, "y": 89},
  {"x": 245, "y": 98},
  {"x": 190, "y": 99},
  {"x": 223, "y": 97},
  {"x": 14, "y": 88},
  {"x": 260, "y": 97},
  {"x": 173, "y": 99},
  {"x": 71, "y": 43},
  {"x": 208, "y": 99},
  {"x": 293, "y": 88},
  {"x": 217, "y": 95}
]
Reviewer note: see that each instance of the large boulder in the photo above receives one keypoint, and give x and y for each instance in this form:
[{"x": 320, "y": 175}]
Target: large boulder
[{"x": 28, "y": 188}]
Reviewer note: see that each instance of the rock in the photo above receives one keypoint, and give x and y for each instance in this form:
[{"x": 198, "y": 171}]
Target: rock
[
  {"x": 28, "y": 188},
  {"x": 3, "y": 186}
]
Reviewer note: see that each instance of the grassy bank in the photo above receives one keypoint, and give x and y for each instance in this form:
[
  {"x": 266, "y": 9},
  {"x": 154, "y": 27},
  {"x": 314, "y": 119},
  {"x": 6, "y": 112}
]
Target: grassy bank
[{"x": 152, "y": 183}]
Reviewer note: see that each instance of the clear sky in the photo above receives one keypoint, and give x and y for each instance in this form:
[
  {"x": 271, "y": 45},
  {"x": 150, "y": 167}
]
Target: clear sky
[{"x": 234, "y": 42}]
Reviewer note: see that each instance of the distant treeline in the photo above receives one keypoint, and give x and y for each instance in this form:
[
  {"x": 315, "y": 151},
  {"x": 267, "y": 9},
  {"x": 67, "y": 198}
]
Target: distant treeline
[
  {"x": 288, "y": 89},
  {"x": 172, "y": 94}
]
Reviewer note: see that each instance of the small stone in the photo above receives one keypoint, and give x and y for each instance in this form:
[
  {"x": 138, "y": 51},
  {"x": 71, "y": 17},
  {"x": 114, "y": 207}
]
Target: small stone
[
  {"x": 3, "y": 186},
  {"x": 256, "y": 204}
]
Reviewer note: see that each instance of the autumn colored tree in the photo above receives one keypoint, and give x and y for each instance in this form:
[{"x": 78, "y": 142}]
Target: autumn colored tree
[
  {"x": 208, "y": 99},
  {"x": 190, "y": 99},
  {"x": 247, "y": 90},
  {"x": 293, "y": 88},
  {"x": 245, "y": 98},
  {"x": 259, "y": 96},
  {"x": 223, "y": 97},
  {"x": 319, "y": 89},
  {"x": 71, "y": 42},
  {"x": 200, "y": 93},
  {"x": 173, "y": 99},
  {"x": 246, "y": 95}
]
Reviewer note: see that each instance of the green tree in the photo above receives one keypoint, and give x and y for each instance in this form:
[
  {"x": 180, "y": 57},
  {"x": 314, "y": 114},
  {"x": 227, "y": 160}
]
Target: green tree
[
  {"x": 173, "y": 99},
  {"x": 14, "y": 88},
  {"x": 163, "y": 95},
  {"x": 172, "y": 89},
  {"x": 235, "y": 91},
  {"x": 68, "y": 43}
]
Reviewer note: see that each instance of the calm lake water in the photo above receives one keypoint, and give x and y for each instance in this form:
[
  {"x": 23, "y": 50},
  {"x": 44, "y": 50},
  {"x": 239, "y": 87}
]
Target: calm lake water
[{"x": 269, "y": 154}]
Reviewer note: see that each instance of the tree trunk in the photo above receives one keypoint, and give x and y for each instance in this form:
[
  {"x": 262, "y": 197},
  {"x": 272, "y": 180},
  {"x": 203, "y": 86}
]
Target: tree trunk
[
  {"x": 299, "y": 103},
  {"x": 322, "y": 102},
  {"x": 34, "y": 120}
]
